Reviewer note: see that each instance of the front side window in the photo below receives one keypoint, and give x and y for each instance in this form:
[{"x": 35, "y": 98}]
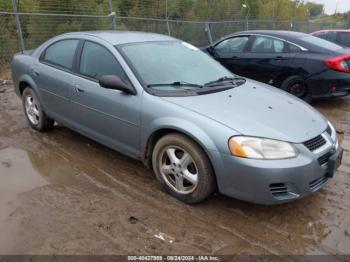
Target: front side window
[
  {"x": 232, "y": 45},
  {"x": 61, "y": 53},
  {"x": 264, "y": 44},
  {"x": 97, "y": 61},
  {"x": 159, "y": 63}
]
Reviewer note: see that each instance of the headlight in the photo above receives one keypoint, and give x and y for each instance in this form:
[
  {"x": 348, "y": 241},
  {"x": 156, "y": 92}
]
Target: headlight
[
  {"x": 334, "y": 132},
  {"x": 334, "y": 135},
  {"x": 261, "y": 148}
]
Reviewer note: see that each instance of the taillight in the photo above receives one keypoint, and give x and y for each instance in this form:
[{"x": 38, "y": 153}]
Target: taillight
[{"x": 339, "y": 63}]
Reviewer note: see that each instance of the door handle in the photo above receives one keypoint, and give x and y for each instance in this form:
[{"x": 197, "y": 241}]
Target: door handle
[{"x": 78, "y": 89}]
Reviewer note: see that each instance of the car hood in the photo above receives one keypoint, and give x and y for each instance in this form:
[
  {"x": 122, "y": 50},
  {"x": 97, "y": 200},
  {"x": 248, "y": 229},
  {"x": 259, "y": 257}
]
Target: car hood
[{"x": 256, "y": 109}]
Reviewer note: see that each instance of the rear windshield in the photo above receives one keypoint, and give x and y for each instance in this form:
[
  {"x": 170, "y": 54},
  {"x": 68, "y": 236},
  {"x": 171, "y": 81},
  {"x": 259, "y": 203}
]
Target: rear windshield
[{"x": 319, "y": 42}]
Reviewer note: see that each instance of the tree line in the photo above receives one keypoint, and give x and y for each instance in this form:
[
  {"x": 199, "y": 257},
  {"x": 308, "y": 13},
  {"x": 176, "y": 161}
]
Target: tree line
[{"x": 38, "y": 28}]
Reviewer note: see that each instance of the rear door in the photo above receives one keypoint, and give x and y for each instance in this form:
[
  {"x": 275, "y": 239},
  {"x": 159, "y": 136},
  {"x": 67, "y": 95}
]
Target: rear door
[
  {"x": 54, "y": 77},
  {"x": 110, "y": 116},
  {"x": 268, "y": 59},
  {"x": 231, "y": 53}
]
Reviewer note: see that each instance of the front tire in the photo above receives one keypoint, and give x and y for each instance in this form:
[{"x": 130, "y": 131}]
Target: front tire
[
  {"x": 296, "y": 86},
  {"x": 36, "y": 117},
  {"x": 183, "y": 168}
]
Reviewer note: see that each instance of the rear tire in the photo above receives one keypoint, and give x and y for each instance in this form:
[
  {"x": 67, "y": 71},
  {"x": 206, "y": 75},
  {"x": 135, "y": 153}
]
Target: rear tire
[
  {"x": 36, "y": 117},
  {"x": 296, "y": 86},
  {"x": 183, "y": 168}
]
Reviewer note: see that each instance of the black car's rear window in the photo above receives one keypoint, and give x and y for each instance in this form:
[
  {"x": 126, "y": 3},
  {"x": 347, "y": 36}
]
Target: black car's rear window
[{"x": 321, "y": 43}]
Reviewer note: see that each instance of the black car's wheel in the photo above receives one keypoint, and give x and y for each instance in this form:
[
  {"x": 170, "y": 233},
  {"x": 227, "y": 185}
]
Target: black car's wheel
[
  {"x": 296, "y": 86},
  {"x": 37, "y": 118},
  {"x": 183, "y": 168}
]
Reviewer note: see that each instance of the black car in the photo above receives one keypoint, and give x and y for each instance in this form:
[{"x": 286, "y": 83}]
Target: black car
[
  {"x": 340, "y": 37},
  {"x": 306, "y": 66}
]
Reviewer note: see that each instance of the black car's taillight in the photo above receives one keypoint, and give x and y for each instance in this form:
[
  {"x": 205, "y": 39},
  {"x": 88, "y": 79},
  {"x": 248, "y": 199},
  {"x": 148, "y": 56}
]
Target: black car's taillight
[{"x": 339, "y": 63}]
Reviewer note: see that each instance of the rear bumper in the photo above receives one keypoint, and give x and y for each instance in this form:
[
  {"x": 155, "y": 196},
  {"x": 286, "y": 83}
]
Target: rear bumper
[
  {"x": 270, "y": 182},
  {"x": 330, "y": 84}
]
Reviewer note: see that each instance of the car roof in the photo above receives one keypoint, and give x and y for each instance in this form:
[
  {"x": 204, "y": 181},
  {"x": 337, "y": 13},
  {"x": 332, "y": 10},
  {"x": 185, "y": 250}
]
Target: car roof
[
  {"x": 124, "y": 37},
  {"x": 295, "y": 38},
  {"x": 332, "y": 30},
  {"x": 288, "y": 35}
]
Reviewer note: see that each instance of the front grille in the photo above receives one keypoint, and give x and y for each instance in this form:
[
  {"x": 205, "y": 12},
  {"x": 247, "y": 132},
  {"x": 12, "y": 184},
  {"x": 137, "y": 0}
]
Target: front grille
[
  {"x": 316, "y": 184},
  {"x": 329, "y": 130},
  {"x": 315, "y": 143},
  {"x": 324, "y": 159}
]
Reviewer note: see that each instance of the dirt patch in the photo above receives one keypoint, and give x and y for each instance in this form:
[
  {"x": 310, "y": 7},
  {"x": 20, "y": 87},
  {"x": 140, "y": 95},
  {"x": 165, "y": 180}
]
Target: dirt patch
[
  {"x": 61, "y": 193},
  {"x": 5, "y": 72}
]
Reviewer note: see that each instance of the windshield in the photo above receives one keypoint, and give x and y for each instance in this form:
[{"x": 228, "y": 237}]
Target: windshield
[
  {"x": 321, "y": 43},
  {"x": 173, "y": 65}
]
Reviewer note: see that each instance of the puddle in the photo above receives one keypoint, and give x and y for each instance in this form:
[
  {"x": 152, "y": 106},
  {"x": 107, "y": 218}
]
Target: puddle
[{"x": 17, "y": 176}]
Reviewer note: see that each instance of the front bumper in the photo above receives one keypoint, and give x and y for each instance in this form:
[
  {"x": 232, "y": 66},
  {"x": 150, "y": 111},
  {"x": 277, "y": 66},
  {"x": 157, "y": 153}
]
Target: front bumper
[{"x": 271, "y": 182}]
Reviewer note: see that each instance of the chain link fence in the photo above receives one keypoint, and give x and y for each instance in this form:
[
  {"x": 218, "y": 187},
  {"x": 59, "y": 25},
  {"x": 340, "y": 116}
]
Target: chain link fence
[{"x": 26, "y": 24}]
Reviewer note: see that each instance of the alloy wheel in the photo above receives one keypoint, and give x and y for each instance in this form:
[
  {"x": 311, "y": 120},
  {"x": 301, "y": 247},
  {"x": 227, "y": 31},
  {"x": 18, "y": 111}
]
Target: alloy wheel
[
  {"x": 178, "y": 170},
  {"x": 32, "y": 110}
]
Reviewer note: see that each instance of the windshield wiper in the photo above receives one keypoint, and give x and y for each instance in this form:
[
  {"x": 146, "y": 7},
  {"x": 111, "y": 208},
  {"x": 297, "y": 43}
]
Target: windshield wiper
[
  {"x": 176, "y": 84},
  {"x": 223, "y": 80}
]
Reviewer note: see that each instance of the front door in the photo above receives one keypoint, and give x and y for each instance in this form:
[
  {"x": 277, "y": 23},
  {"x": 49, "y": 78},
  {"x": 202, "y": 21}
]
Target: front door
[
  {"x": 230, "y": 53},
  {"x": 110, "y": 116}
]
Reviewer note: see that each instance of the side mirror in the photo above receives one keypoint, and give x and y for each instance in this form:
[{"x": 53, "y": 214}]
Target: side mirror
[
  {"x": 115, "y": 83},
  {"x": 210, "y": 50}
]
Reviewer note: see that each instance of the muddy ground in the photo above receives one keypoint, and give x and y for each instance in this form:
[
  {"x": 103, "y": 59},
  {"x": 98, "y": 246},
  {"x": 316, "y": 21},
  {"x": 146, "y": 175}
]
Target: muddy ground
[{"x": 61, "y": 193}]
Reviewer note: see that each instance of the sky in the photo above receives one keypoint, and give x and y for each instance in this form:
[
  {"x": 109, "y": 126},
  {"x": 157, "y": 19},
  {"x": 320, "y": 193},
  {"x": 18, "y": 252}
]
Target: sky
[{"x": 331, "y": 5}]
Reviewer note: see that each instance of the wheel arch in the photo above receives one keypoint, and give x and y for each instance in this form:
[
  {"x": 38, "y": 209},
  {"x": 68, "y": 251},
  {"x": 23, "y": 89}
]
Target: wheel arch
[
  {"x": 26, "y": 81},
  {"x": 23, "y": 85},
  {"x": 160, "y": 132},
  {"x": 286, "y": 76}
]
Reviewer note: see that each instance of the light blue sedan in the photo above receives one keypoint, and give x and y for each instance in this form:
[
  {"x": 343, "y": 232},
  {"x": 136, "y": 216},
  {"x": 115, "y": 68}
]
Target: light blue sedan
[{"x": 166, "y": 103}]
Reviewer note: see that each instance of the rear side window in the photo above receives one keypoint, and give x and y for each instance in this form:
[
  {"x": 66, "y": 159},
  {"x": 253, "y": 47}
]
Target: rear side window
[
  {"x": 294, "y": 48},
  {"x": 264, "y": 44},
  {"x": 320, "y": 43},
  {"x": 97, "y": 61},
  {"x": 344, "y": 38},
  {"x": 61, "y": 53},
  {"x": 232, "y": 45}
]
